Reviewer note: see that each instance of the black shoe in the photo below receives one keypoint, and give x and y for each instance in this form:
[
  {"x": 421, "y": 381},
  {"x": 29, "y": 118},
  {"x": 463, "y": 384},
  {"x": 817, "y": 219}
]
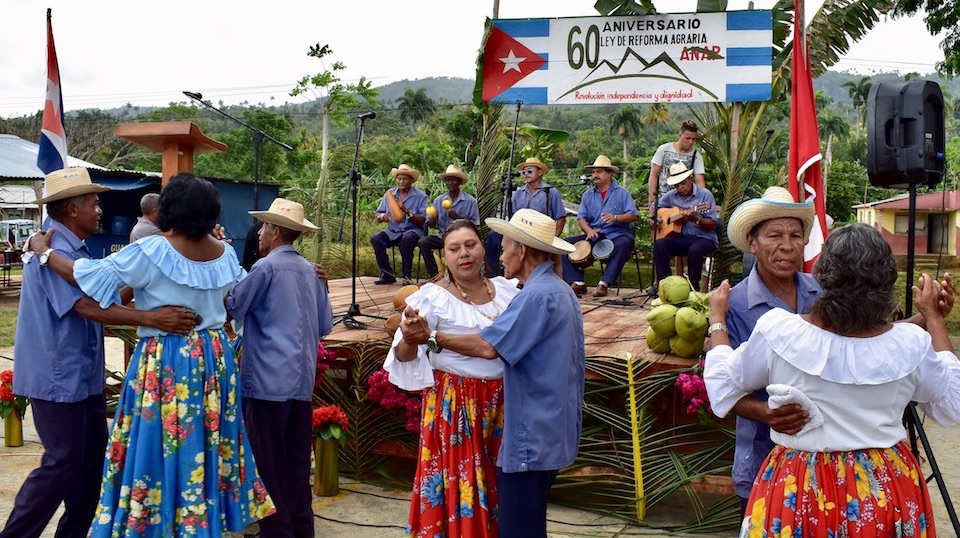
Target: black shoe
[{"x": 385, "y": 280}]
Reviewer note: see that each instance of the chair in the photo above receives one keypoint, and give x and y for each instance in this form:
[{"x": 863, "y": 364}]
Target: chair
[
  {"x": 636, "y": 257},
  {"x": 416, "y": 268}
]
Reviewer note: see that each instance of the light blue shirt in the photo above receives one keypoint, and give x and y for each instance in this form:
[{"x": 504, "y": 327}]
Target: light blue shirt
[
  {"x": 416, "y": 202},
  {"x": 749, "y": 300},
  {"x": 285, "y": 312},
  {"x": 58, "y": 355},
  {"x": 465, "y": 206},
  {"x": 697, "y": 197},
  {"x": 540, "y": 339},
  {"x": 618, "y": 201},
  {"x": 545, "y": 199}
]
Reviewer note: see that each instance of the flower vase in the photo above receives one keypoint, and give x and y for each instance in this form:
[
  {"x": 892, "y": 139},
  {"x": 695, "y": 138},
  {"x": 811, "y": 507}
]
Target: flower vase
[
  {"x": 13, "y": 429},
  {"x": 326, "y": 467}
]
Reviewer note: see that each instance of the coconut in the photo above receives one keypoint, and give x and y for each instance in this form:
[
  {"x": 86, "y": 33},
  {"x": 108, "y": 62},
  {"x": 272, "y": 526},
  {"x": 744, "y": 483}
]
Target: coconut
[
  {"x": 673, "y": 289},
  {"x": 657, "y": 343},
  {"x": 655, "y": 303},
  {"x": 690, "y": 324},
  {"x": 682, "y": 347},
  {"x": 661, "y": 320},
  {"x": 400, "y": 297}
]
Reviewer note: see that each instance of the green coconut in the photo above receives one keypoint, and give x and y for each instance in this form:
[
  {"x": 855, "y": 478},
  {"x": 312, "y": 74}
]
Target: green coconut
[
  {"x": 661, "y": 320},
  {"x": 655, "y": 303},
  {"x": 657, "y": 343},
  {"x": 690, "y": 324},
  {"x": 682, "y": 347},
  {"x": 673, "y": 289}
]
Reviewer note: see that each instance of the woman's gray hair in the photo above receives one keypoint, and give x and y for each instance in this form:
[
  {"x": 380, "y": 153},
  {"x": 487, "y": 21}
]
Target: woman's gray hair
[{"x": 856, "y": 270}]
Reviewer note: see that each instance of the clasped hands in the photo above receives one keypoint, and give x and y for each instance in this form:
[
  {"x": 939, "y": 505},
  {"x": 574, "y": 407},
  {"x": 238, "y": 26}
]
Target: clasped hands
[{"x": 414, "y": 328}]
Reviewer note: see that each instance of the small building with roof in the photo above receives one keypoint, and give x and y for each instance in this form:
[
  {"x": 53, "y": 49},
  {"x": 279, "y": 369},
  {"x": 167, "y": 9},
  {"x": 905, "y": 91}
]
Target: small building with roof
[{"x": 937, "y": 222}]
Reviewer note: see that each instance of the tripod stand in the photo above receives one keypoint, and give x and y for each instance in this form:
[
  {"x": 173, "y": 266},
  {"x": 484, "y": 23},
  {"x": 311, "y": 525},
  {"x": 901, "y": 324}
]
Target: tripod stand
[{"x": 354, "y": 309}]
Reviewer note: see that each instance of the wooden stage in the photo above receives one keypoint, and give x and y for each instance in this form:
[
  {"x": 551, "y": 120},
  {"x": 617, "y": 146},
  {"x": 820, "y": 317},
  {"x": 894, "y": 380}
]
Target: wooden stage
[{"x": 613, "y": 325}]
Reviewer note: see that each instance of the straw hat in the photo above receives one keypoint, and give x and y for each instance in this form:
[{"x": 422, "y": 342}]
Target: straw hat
[
  {"x": 453, "y": 171},
  {"x": 534, "y": 162},
  {"x": 286, "y": 214},
  {"x": 405, "y": 169},
  {"x": 602, "y": 162},
  {"x": 533, "y": 229},
  {"x": 775, "y": 203},
  {"x": 67, "y": 183},
  {"x": 678, "y": 172}
]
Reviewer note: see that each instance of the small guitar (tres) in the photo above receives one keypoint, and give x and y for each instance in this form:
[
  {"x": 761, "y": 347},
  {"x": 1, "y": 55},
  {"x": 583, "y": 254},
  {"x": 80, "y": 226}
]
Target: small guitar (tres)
[{"x": 670, "y": 219}]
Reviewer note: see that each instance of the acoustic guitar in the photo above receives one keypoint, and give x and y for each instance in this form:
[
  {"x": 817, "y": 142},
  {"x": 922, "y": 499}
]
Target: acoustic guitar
[{"x": 670, "y": 219}]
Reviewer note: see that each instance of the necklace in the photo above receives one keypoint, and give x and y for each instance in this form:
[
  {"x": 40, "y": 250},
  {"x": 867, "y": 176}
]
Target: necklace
[{"x": 467, "y": 298}]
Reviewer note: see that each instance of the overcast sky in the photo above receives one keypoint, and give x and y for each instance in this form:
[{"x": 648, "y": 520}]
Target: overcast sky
[{"x": 146, "y": 53}]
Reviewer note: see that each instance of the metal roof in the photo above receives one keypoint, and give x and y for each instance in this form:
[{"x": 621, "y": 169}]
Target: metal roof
[{"x": 18, "y": 159}]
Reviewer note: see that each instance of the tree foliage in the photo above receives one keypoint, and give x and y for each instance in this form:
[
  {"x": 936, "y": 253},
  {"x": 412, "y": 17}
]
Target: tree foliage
[{"x": 942, "y": 15}]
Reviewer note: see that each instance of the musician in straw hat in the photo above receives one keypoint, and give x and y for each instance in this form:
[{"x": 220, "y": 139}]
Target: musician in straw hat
[
  {"x": 450, "y": 206},
  {"x": 59, "y": 360},
  {"x": 285, "y": 312},
  {"x": 404, "y": 209},
  {"x": 540, "y": 340}
]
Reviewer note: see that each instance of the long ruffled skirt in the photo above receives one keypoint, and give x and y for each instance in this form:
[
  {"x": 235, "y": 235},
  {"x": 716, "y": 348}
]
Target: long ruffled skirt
[
  {"x": 178, "y": 462},
  {"x": 455, "y": 489},
  {"x": 877, "y": 492}
]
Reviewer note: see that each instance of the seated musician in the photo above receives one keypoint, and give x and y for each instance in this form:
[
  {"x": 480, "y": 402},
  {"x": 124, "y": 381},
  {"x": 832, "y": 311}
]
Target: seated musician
[
  {"x": 535, "y": 194},
  {"x": 686, "y": 225},
  {"x": 404, "y": 209},
  {"x": 452, "y": 205},
  {"x": 606, "y": 211}
]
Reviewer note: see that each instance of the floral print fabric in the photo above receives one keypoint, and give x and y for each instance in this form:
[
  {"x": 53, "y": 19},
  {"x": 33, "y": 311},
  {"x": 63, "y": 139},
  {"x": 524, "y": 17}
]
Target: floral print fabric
[
  {"x": 454, "y": 491},
  {"x": 870, "y": 493},
  {"x": 178, "y": 462}
]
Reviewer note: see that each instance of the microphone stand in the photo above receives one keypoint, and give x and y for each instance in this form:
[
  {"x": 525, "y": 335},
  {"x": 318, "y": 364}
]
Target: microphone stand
[
  {"x": 506, "y": 199},
  {"x": 354, "y": 177},
  {"x": 257, "y": 135}
]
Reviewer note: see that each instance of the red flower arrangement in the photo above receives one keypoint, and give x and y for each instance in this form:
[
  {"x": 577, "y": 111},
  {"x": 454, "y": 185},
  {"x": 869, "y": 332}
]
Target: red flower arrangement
[
  {"x": 325, "y": 359},
  {"x": 385, "y": 393},
  {"x": 330, "y": 422},
  {"x": 694, "y": 393},
  {"x": 10, "y": 402}
]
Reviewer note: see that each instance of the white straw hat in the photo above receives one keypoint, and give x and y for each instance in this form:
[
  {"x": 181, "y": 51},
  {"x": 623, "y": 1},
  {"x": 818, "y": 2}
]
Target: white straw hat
[
  {"x": 405, "y": 169},
  {"x": 453, "y": 171},
  {"x": 67, "y": 183},
  {"x": 775, "y": 203},
  {"x": 533, "y": 229},
  {"x": 678, "y": 172},
  {"x": 286, "y": 214},
  {"x": 603, "y": 161},
  {"x": 534, "y": 162}
]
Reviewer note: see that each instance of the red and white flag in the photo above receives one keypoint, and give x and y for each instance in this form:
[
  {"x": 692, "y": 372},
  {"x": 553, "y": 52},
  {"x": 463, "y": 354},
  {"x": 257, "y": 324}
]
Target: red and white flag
[
  {"x": 805, "y": 174},
  {"x": 53, "y": 134}
]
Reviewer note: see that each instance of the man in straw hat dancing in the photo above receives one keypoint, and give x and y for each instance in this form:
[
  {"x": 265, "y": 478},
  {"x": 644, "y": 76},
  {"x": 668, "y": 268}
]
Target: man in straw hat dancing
[
  {"x": 449, "y": 206},
  {"x": 59, "y": 363},
  {"x": 606, "y": 211},
  {"x": 774, "y": 229},
  {"x": 698, "y": 233},
  {"x": 539, "y": 337},
  {"x": 285, "y": 312},
  {"x": 535, "y": 194},
  {"x": 404, "y": 209}
]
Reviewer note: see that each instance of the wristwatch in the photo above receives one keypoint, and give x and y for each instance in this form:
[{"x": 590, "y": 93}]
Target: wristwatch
[
  {"x": 432, "y": 345},
  {"x": 45, "y": 257},
  {"x": 717, "y": 327}
]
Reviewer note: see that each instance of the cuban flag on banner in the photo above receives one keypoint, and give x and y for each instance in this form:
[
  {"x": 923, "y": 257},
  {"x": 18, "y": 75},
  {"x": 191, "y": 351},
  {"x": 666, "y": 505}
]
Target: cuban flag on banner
[
  {"x": 506, "y": 61},
  {"x": 53, "y": 135}
]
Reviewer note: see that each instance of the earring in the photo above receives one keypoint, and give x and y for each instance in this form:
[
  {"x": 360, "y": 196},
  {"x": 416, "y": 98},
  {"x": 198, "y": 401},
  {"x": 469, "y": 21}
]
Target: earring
[{"x": 446, "y": 276}]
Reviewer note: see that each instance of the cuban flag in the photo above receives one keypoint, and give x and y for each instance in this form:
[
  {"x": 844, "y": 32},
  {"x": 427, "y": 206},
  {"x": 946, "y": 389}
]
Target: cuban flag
[
  {"x": 505, "y": 61},
  {"x": 53, "y": 135}
]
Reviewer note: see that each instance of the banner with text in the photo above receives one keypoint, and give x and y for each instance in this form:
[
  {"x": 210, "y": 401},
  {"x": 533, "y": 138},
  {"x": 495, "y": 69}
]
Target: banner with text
[{"x": 675, "y": 58}]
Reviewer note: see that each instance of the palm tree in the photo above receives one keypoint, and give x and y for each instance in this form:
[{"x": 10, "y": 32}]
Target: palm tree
[
  {"x": 414, "y": 105},
  {"x": 626, "y": 124},
  {"x": 859, "y": 91},
  {"x": 657, "y": 114}
]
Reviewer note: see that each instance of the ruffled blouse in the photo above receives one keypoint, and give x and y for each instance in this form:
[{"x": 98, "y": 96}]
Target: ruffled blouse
[
  {"x": 861, "y": 385},
  {"x": 159, "y": 276},
  {"x": 445, "y": 313}
]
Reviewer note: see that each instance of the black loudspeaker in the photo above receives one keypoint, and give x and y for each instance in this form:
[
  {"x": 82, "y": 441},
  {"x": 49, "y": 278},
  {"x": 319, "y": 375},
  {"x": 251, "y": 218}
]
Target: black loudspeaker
[{"x": 905, "y": 134}]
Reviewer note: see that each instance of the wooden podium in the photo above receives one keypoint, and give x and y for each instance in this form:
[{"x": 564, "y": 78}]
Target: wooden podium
[{"x": 176, "y": 141}]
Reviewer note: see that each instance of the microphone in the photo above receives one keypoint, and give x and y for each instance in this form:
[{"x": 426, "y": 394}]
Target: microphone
[
  {"x": 586, "y": 178},
  {"x": 194, "y": 95},
  {"x": 368, "y": 116}
]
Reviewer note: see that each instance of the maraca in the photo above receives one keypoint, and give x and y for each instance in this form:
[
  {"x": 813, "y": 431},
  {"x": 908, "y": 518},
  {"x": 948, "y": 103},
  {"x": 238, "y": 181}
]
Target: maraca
[
  {"x": 431, "y": 211},
  {"x": 447, "y": 204}
]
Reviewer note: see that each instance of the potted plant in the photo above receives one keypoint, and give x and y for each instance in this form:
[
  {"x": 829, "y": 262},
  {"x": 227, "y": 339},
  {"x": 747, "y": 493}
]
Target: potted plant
[
  {"x": 329, "y": 427},
  {"x": 12, "y": 410}
]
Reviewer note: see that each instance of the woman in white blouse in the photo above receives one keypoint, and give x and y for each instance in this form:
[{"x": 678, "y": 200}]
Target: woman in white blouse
[
  {"x": 455, "y": 492},
  {"x": 848, "y": 472}
]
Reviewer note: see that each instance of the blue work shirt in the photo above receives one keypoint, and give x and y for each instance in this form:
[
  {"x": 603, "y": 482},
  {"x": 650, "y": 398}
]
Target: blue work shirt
[
  {"x": 540, "y": 339},
  {"x": 618, "y": 201},
  {"x": 465, "y": 206},
  {"x": 416, "y": 202},
  {"x": 285, "y": 312},
  {"x": 545, "y": 199},
  {"x": 749, "y": 300},
  {"x": 697, "y": 197},
  {"x": 58, "y": 355}
]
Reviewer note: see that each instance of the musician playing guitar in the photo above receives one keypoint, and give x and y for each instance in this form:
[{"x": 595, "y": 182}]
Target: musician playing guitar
[
  {"x": 404, "y": 209},
  {"x": 695, "y": 209}
]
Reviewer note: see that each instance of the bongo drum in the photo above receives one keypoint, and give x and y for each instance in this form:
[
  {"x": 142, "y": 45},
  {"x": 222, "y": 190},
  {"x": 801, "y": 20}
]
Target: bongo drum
[
  {"x": 602, "y": 250},
  {"x": 581, "y": 255}
]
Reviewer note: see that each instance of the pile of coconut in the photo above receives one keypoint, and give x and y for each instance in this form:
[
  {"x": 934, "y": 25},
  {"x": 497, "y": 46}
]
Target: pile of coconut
[{"x": 679, "y": 318}]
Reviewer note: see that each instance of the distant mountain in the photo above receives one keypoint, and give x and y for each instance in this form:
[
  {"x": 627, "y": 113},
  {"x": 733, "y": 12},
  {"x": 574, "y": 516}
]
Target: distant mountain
[{"x": 440, "y": 89}]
